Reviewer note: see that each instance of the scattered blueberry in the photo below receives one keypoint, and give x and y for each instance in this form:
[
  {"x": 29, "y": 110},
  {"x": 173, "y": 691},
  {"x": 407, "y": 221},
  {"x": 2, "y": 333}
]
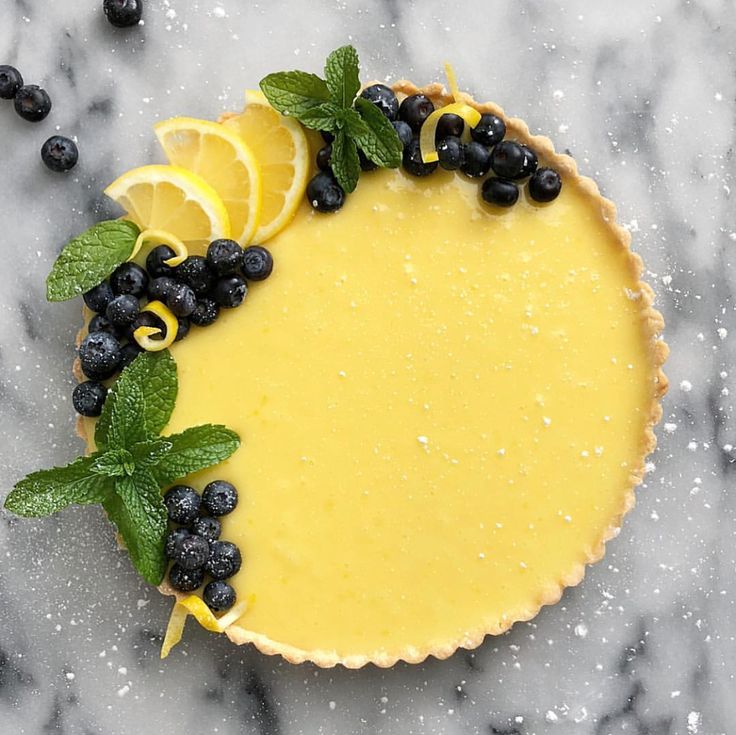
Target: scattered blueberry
[
  {"x": 208, "y": 528},
  {"x": 509, "y": 159},
  {"x": 414, "y": 110},
  {"x": 324, "y": 156},
  {"x": 489, "y": 131},
  {"x": 545, "y": 185},
  {"x": 158, "y": 288},
  {"x": 191, "y": 552},
  {"x": 449, "y": 124},
  {"x": 100, "y": 323},
  {"x": 32, "y": 103},
  {"x": 477, "y": 160},
  {"x": 182, "y": 329},
  {"x": 60, "y": 154},
  {"x": 365, "y": 163},
  {"x": 173, "y": 539},
  {"x": 89, "y": 398},
  {"x": 129, "y": 278},
  {"x": 501, "y": 192},
  {"x": 412, "y": 160},
  {"x": 182, "y": 503},
  {"x": 155, "y": 264},
  {"x": 230, "y": 291},
  {"x": 185, "y": 580},
  {"x": 220, "y": 498},
  {"x": 99, "y": 297},
  {"x": 324, "y": 193},
  {"x": 530, "y": 161},
  {"x": 218, "y": 595},
  {"x": 451, "y": 153},
  {"x": 257, "y": 263},
  {"x": 224, "y": 560},
  {"x": 99, "y": 355},
  {"x": 122, "y": 310},
  {"x": 181, "y": 300},
  {"x": 403, "y": 131},
  {"x": 195, "y": 273},
  {"x": 123, "y": 13},
  {"x": 383, "y": 98},
  {"x": 224, "y": 256},
  {"x": 128, "y": 353},
  {"x": 205, "y": 313},
  {"x": 10, "y": 81}
]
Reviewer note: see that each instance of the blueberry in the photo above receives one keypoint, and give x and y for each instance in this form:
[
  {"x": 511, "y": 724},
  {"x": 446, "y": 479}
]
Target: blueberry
[
  {"x": 182, "y": 330},
  {"x": 158, "y": 288},
  {"x": 191, "y": 552},
  {"x": 60, "y": 154},
  {"x": 128, "y": 353},
  {"x": 218, "y": 595},
  {"x": 100, "y": 323},
  {"x": 477, "y": 160},
  {"x": 129, "y": 278},
  {"x": 205, "y": 313},
  {"x": 327, "y": 136},
  {"x": 182, "y": 503},
  {"x": 195, "y": 273},
  {"x": 185, "y": 580},
  {"x": 403, "y": 131},
  {"x": 365, "y": 163},
  {"x": 123, "y": 13},
  {"x": 530, "y": 161},
  {"x": 10, "y": 81},
  {"x": 324, "y": 156},
  {"x": 383, "y": 98},
  {"x": 230, "y": 291},
  {"x": 501, "y": 192},
  {"x": 99, "y": 297},
  {"x": 413, "y": 163},
  {"x": 224, "y": 560},
  {"x": 173, "y": 539},
  {"x": 415, "y": 110},
  {"x": 155, "y": 264},
  {"x": 224, "y": 256},
  {"x": 509, "y": 160},
  {"x": 122, "y": 310},
  {"x": 451, "y": 153},
  {"x": 89, "y": 398},
  {"x": 181, "y": 300},
  {"x": 545, "y": 185},
  {"x": 219, "y": 498},
  {"x": 324, "y": 193},
  {"x": 489, "y": 131},
  {"x": 449, "y": 124},
  {"x": 32, "y": 103},
  {"x": 257, "y": 263},
  {"x": 208, "y": 528},
  {"x": 99, "y": 355}
]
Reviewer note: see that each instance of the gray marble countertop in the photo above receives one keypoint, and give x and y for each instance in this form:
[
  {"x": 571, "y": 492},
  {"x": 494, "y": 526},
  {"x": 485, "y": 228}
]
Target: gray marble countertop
[{"x": 643, "y": 94}]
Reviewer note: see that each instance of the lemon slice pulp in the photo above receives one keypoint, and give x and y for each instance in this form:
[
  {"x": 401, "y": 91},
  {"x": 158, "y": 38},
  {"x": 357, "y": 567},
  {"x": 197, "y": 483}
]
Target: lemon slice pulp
[{"x": 223, "y": 160}]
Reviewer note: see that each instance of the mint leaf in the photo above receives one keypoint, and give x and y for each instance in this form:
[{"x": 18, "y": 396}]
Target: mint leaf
[
  {"x": 114, "y": 463},
  {"x": 321, "y": 117},
  {"x": 344, "y": 161},
  {"x": 138, "y": 511},
  {"x": 150, "y": 453},
  {"x": 47, "y": 491},
  {"x": 90, "y": 258},
  {"x": 127, "y": 415},
  {"x": 342, "y": 72},
  {"x": 294, "y": 92},
  {"x": 378, "y": 140},
  {"x": 155, "y": 374},
  {"x": 194, "y": 449}
]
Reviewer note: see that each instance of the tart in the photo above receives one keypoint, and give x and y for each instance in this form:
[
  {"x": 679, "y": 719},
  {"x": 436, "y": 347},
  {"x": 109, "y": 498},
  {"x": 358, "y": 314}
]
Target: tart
[{"x": 444, "y": 410}]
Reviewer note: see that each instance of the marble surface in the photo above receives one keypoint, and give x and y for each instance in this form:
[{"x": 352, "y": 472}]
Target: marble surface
[{"x": 643, "y": 94}]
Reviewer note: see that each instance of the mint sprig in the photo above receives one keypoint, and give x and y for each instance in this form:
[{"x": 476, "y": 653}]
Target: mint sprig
[
  {"x": 90, "y": 258},
  {"x": 132, "y": 463},
  {"x": 331, "y": 105}
]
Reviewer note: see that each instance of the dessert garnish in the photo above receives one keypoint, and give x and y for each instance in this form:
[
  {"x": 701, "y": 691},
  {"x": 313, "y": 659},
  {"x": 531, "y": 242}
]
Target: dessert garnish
[{"x": 123, "y": 13}]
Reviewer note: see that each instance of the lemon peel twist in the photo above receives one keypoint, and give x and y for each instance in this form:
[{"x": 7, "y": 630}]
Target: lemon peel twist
[
  {"x": 166, "y": 238},
  {"x": 143, "y": 335}
]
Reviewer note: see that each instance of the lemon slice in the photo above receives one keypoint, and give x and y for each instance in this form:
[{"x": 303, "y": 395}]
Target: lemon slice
[
  {"x": 224, "y": 161},
  {"x": 175, "y": 200},
  {"x": 282, "y": 151}
]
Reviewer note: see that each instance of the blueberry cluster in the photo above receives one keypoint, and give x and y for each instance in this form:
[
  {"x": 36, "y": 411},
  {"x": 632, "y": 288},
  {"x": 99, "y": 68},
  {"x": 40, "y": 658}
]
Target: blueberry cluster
[
  {"x": 509, "y": 161},
  {"x": 194, "y": 292},
  {"x": 194, "y": 546}
]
